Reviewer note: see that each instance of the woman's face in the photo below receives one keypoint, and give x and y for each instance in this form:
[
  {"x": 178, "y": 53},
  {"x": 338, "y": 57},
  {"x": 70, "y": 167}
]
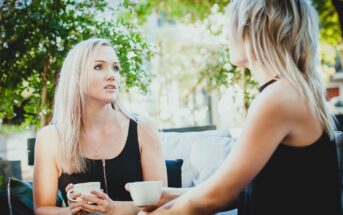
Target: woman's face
[
  {"x": 237, "y": 53},
  {"x": 105, "y": 77}
]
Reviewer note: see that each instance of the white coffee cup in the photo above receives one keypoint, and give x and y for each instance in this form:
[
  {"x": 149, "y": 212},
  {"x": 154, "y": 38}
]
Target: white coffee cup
[
  {"x": 145, "y": 193},
  {"x": 84, "y": 189}
]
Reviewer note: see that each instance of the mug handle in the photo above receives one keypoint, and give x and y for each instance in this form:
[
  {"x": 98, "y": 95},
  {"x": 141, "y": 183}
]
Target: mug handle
[{"x": 69, "y": 197}]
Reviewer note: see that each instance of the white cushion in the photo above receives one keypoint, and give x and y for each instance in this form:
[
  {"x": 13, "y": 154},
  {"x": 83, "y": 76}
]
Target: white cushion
[
  {"x": 177, "y": 146},
  {"x": 202, "y": 152},
  {"x": 207, "y": 154}
]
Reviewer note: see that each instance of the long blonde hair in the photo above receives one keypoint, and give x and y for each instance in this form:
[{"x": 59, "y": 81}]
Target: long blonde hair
[
  {"x": 282, "y": 36},
  {"x": 70, "y": 103}
]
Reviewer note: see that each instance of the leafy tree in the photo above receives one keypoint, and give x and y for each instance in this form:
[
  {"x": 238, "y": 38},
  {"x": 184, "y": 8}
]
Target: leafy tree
[
  {"x": 185, "y": 10},
  {"x": 215, "y": 73},
  {"x": 36, "y": 36},
  {"x": 330, "y": 12}
]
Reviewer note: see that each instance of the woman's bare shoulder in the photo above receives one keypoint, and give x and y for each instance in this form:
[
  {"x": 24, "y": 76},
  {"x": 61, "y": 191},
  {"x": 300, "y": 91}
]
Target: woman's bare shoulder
[
  {"x": 47, "y": 138},
  {"x": 146, "y": 122},
  {"x": 147, "y": 130},
  {"x": 280, "y": 98}
]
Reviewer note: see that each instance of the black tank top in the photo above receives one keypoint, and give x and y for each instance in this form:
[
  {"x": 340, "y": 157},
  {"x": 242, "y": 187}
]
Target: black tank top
[
  {"x": 124, "y": 168},
  {"x": 295, "y": 181}
]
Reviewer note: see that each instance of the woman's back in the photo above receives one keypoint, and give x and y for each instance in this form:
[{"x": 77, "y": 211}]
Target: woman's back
[
  {"x": 296, "y": 180},
  {"x": 299, "y": 178}
]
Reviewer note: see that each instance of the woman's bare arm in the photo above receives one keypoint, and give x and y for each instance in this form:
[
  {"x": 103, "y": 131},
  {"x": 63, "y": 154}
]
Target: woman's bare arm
[
  {"x": 153, "y": 164},
  {"x": 45, "y": 177},
  {"x": 267, "y": 124}
]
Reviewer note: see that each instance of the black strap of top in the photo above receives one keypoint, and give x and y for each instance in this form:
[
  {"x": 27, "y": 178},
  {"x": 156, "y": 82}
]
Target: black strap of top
[{"x": 268, "y": 83}]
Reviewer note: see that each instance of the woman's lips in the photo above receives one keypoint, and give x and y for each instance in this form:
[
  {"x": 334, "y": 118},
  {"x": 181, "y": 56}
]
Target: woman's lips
[{"x": 110, "y": 87}]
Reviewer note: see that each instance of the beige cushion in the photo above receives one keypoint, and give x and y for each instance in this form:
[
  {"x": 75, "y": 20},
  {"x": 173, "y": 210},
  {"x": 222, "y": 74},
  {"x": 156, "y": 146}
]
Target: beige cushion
[{"x": 202, "y": 152}]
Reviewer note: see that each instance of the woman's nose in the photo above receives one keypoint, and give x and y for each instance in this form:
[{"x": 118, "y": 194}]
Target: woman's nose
[{"x": 110, "y": 77}]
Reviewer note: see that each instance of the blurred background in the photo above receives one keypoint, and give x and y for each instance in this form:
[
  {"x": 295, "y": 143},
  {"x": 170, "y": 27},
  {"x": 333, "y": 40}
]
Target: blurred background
[{"x": 173, "y": 54}]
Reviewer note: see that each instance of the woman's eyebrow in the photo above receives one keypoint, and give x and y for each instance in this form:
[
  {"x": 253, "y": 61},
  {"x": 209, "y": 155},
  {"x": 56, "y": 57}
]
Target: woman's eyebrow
[{"x": 104, "y": 61}]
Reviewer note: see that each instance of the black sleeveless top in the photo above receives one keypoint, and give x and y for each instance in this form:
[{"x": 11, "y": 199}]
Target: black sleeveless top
[
  {"x": 124, "y": 168},
  {"x": 295, "y": 181}
]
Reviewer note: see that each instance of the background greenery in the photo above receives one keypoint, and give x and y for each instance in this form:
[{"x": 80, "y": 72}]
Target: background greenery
[
  {"x": 215, "y": 73},
  {"x": 35, "y": 36}
]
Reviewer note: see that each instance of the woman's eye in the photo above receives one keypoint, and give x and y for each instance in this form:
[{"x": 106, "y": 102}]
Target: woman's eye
[
  {"x": 98, "y": 67},
  {"x": 116, "y": 68}
]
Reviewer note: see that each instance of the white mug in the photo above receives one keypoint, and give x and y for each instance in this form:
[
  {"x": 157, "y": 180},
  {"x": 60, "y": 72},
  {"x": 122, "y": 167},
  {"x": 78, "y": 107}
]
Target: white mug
[
  {"x": 84, "y": 189},
  {"x": 145, "y": 193}
]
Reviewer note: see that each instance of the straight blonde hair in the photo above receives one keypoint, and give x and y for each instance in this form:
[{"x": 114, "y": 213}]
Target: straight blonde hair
[
  {"x": 70, "y": 103},
  {"x": 282, "y": 36}
]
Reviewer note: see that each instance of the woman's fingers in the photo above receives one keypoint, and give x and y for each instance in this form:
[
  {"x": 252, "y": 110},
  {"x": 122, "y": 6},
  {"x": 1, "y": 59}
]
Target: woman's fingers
[
  {"x": 74, "y": 196},
  {"x": 148, "y": 208},
  {"x": 75, "y": 207},
  {"x": 75, "y": 210},
  {"x": 93, "y": 199},
  {"x": 91, "y": 208},
  {"x": 97, "y": 198},
  {"x": 100, "y": 194}
]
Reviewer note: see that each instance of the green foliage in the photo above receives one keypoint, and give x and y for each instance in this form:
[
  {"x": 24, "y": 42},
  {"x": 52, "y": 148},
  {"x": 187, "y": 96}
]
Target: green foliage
[
  {"x": 330, "y": 30},
  {"x": 185, "y": 10},
  {"x": 38, "y": 34},
  {"x": 219, "y": 72},
  {"x": 214, "y": 74},
  {"x": 132, "y": 52},
  {"x": 193, "y": 10}
]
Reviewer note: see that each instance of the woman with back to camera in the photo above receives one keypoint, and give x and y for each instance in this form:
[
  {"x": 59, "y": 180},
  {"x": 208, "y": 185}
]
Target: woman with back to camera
[
  {"x": 91, "y": 138},
  {"x": 284, "y": 162}
]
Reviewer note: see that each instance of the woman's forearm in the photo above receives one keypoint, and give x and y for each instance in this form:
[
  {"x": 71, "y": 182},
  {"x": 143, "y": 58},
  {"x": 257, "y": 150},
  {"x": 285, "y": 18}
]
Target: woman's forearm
[
  {"x": 176, "y": 191},
  {"x": 125, "y": 208},
  {"x": 199, "y": 201},
  {"x": 47, "y": 210}
]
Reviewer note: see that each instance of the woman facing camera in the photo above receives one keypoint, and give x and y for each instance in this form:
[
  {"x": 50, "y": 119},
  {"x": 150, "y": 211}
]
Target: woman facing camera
[
  {"x": 284, "y": 162},
  {"x": 91, "y": 138}
]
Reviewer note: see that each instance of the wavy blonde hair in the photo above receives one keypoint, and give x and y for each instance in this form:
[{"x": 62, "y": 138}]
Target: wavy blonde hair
[
  {"x": 282, "y": 36},
  {"x": 70, "y": 103}
]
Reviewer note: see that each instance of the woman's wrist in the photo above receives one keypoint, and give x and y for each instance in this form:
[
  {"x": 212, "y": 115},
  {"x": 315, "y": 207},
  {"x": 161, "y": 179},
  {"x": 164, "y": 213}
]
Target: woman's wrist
[
  {"x": 175, "y": 191},
  {"x": 123, "y": 207},
  {"x": 113, "y": 207},
  {"x": 64, "y": 211}
]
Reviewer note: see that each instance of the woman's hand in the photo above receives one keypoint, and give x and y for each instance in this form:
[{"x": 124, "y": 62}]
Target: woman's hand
[
  {"x": 102, "y": 203},
  {"x": 74, "y": 207},
  {"x": 168, "y": 194},
  {"x": 170, "y": 209}
]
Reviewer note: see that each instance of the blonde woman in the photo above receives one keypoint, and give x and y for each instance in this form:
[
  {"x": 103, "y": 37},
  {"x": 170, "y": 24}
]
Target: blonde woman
[
  {"x": 284, "y": 162},
  {"x": 92, "y": 139}
]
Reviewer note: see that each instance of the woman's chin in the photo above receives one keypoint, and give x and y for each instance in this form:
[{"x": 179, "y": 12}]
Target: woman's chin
[{"x": 110, "y": 100}]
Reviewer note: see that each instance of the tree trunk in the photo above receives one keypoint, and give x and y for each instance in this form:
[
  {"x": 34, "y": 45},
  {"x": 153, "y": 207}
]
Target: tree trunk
[{"x": 44, "y": 93}]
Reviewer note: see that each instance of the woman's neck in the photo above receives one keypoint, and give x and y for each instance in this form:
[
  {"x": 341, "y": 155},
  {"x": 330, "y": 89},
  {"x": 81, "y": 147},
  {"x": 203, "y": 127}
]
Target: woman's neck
[
  {"x": 261, "y": 75},
  {"x": 99, "y": 115}
]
